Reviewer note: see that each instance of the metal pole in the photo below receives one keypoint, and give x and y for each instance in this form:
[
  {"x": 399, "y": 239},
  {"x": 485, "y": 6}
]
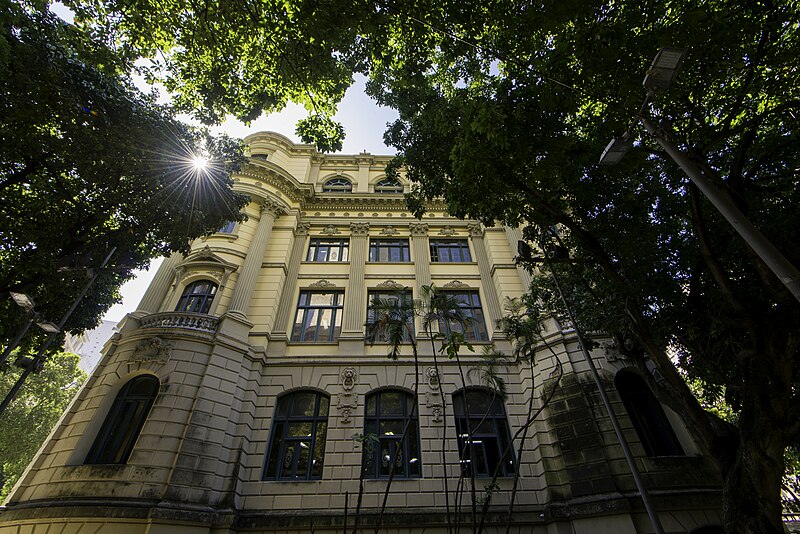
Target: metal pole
[
  {"x": 651, "y": 512},
  {"x": 40, "y": 355},
  {"x": 771, "y": 256}
]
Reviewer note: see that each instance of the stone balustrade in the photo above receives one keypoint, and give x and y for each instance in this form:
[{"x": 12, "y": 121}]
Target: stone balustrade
[{"x": 186, "y": 320}]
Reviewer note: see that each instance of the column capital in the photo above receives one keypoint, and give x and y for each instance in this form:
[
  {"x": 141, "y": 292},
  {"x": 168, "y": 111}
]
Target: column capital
[
  {"x": 273, "y": 207},
  {"x": 302, "y": 228},
  {"x": 475, "y": 229},
  {"x": 359, "y": 228},
  {"x": 418, "y": 229}
]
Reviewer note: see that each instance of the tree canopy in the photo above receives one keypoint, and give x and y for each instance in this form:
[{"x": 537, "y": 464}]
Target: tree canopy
[{"x": 90, "y": 163}]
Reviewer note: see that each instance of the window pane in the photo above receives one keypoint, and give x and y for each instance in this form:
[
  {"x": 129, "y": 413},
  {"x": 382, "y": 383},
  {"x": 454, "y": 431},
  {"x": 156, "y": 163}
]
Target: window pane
[
  {"x": 391, "y": 403},
  {"x": 297, "y": 444},
  {"x": 319, "y": 450}
]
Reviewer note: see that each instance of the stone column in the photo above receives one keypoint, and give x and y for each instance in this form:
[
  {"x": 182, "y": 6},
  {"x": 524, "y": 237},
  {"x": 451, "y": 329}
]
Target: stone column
[
  {"x": 251, "y": 268},
  {"x": 286, "y": 303},
  {"x": 422, "y": 266},
  {"x": 154, "y": 297},
  {"x": 493, "y": 309},
  {"x": 514, "y": 235},
  {"x": 355, "y": 312}
]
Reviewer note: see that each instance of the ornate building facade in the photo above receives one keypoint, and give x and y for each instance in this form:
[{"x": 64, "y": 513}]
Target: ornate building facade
[{"x": 241, "y": 395}]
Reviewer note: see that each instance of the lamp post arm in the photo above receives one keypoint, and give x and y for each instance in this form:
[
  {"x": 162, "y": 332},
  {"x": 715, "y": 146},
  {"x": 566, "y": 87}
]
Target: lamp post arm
[{"x": 771, "y": 256}]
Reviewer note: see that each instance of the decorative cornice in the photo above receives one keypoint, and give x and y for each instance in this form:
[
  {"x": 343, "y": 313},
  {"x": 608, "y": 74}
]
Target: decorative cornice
[
  {"x": 359, "y": 228},
  {"x": 418, "y": 229}
]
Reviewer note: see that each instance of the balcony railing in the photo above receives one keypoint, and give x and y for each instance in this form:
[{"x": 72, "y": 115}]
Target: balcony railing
[{"x": 189, "y": 321}]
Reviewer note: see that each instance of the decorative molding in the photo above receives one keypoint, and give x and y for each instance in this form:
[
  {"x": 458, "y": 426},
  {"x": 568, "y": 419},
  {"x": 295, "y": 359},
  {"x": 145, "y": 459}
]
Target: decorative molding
[
  {"x": 432, "y": 377},
  {"x": 205, "y": 253},
  {"x": 456, "y": 284},
  {"x": 610, "y": 350},
  {"x": 346, "y": 403},
  {"x": 302, "y": 229},
  {"x": 330, "y": 230},
  {"x": 274, "y": 207},
  {"x": 448, "y": 231},
  {"x": 418, "y": 229},
  {"x": 389, "y": 230},
  {"x": 359, "y": 229},
  {"x": 322, "y": 284},
  {"x": 433, "y": 403},
  {"x": 390, "y": 284},
  {"x": 152, "y": 349},
  {"x": 475, "y": 229},
  {"x": 349, "y": 377}
]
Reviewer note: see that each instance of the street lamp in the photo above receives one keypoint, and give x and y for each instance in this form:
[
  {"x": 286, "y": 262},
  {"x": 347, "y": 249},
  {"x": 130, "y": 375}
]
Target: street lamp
[
  {"x": 659, "y": 76},
  {"x": 26, "y": 303}
]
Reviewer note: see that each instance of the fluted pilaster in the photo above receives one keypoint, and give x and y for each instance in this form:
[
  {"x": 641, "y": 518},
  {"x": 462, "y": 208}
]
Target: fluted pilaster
[
  {"x": 246, "y": 283},
  {"x": 354, "y": 310},
  {"x": 293, "y": 269},
  {"x": 157, "y": 291},
  {"x": 494, "y": 311}
]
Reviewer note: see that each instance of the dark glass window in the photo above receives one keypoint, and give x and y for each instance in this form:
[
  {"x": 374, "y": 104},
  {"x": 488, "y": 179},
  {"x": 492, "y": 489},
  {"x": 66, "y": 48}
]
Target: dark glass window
[
  {"x": 338, "y": 185},
  {"x": 483, "y": 434},
  {"x": 124, "y": 421},
  {"x": 319, "y": 316},
  {"x": 391, "y": 296},
  {"x": 474, "y": 329},
  {"x": 387, "y": 414},
  {"x": 197, "y": 297},
  {"x": 450, "y": 250},
  {"x": 320, "y": 249},
  {"x": 388, "y": 250},
  {"x": 649, "y": 419},
  {"x": 389, "y": 186},
  {"x": 297, "y": 445},
  {"x": 228, "y": 228}
]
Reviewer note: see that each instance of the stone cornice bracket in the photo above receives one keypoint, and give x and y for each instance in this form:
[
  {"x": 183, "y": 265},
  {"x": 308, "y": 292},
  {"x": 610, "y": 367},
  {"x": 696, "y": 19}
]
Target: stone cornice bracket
[
  {"x": 418, "y": 229},
  {"x": 447, "y": 231},
  {"x": 475, "y": 229},
  {"x": 302, "y": 229},
  {"x": 274, "y": 207},
  {"x": 330, "y": 230},
  {"x": 359, "y": 229}
]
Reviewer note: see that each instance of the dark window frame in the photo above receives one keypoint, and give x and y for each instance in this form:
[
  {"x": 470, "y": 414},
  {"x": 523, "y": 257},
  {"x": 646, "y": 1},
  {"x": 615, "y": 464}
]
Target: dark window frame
[
  {"x": 389, "y": 186},
  {"x": 307, "y": 309},
  {"x": 197, "y": 297},
  {"x": 491, "y": 433},
  {"x": 285, "y": 423},
  {"x": 388, "y": 441},
  {"x": 384, "y": 294},
  {"x": 392, "y": 250},
  {"x": 337, "y": 185},
  {"x": 450, "y": 251},
  {"x": 649, "y": 420},
  {"x": 317, "y": 245},
  {"x": 470, "y": 302},
  {"x": 124, "y": 421}
]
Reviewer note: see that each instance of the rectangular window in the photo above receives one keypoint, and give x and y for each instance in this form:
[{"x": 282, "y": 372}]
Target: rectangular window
[
  {"x": 388, "y": 250},
  {"x": 400, "y": 313},
  {"x": 319, "y": 316},
  {"x": 473, "y": 325},
  {"x": 328, "y": 249},
  {"x": 450, "y": 251}
]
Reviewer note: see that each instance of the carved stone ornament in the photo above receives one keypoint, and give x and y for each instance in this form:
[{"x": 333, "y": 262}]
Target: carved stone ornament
[
  {"x": 475, "y": 229},
  {"x": 418, "y": 229},
  {"x": 153, "y": 349},
  {"x": 389, "y": 230},
  {"x": 436, "y": 407},
  {"x": 456, "y": 284},
  {"x": 433, "y": 378},
  {"x": 611, "y": 350},
  {"x": 346, "y": 405},
  {"x": 302, "y": 228},
  {"x": 205, "y": 253},
  {"x": 330, "y": 230},
  {"x": 349, "y": 377},
  {"x": 359, "y": 228},
  {"x": 272, "y": 206},
  {"x": 447, "y": 231},
  {"x": 322, "y": 283},
  {"x": 389, "y": 284}
]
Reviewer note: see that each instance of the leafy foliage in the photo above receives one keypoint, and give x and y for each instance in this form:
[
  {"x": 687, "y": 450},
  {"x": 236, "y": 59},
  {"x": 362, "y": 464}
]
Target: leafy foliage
[
  {"x": 34, "y": 412},
  {"x": 88, "y": 164}
]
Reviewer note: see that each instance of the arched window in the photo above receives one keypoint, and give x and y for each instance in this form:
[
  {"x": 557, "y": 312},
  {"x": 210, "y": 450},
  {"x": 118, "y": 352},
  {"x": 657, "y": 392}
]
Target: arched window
[
  {"x": 389, "y": 186},
  {"x": 124, "y": 421},
  {"x": 197, "y": 297},
  {"x": 338, "y": 185},
  {"x": 649, "y": 419},
  {"x": 227, "y": 228},
  {"x": 297, "y": 445},
  {"x": 387, "y": 415},
  {"x": 483, "y": 435}
]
